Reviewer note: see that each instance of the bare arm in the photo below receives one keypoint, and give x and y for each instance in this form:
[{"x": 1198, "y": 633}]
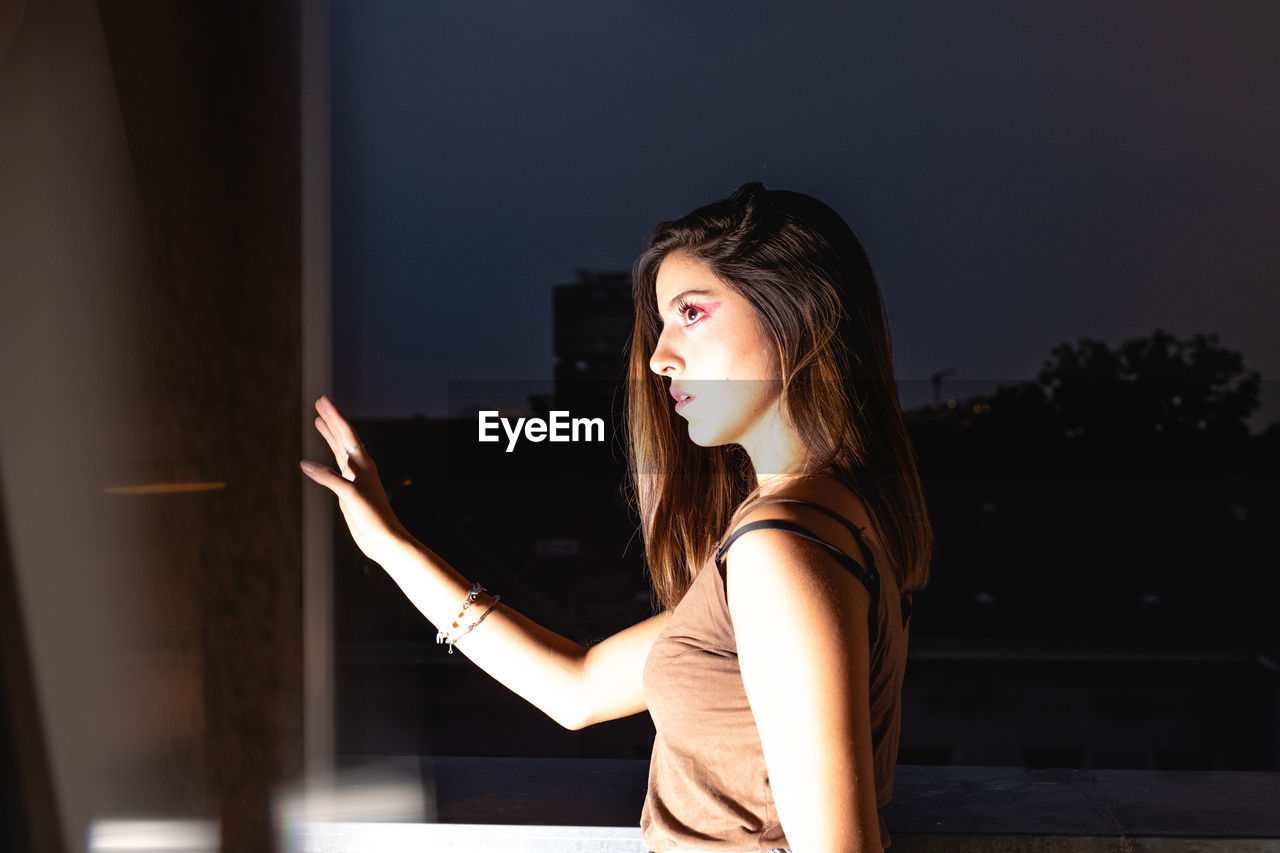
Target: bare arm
[
  {"x": 801, "y": 625},
  {"x": 572, "y": 684}
]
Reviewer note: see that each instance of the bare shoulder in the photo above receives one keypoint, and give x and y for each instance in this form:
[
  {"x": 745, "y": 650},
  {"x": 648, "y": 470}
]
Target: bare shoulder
[
  {"x": 824, "y": 490},
  {"x": 763, "y": 561}
]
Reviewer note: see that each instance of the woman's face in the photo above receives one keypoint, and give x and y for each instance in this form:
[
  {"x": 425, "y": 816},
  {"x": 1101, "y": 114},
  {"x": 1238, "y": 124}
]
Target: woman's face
[{"x": 716, "y": 353}]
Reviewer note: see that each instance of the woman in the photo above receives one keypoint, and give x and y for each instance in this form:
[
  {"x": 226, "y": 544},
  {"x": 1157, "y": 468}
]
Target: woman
[{"x": 784, "y": 527}]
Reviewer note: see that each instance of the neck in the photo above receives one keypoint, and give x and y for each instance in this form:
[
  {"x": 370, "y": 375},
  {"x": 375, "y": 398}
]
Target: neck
[{"x": 776, "y": 452}]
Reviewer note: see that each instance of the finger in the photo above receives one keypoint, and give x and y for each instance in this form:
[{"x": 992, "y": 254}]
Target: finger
[
  {"x": 329, "y": 416},
  {"x": 326, "y": 477},
  {"x": 338, "y": 425},
  {"x": 346, "y": 457},
  {"x": 323, "y": 428}
]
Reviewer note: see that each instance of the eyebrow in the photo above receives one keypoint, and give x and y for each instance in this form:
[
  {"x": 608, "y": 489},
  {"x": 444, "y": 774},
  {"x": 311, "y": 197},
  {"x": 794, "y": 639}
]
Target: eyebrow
[{"x": 676, "y": 300}]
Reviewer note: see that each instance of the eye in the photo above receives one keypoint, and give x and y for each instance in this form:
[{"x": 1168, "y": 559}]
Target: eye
[{"x": 683, "y": 310}]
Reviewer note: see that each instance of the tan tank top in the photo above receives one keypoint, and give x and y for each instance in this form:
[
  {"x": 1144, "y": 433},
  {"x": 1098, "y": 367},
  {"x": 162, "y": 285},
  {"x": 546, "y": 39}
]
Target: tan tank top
[{"x": 708, "y": 784}]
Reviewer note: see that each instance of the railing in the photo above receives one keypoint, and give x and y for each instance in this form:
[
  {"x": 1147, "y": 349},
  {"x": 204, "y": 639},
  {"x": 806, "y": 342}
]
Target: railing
[{"x": 475, "y": 805}]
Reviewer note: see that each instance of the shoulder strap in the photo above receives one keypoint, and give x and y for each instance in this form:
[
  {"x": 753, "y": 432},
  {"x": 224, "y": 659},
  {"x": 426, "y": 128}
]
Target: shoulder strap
[
  {"x": 869, "y": 578},
  {"x": 904, "y": 601},
  {"x": 852, "y": 528}
]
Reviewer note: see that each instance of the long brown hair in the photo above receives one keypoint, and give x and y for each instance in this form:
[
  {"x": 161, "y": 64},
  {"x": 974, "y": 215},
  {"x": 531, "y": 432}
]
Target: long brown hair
[{"x": 806, "y": 275}]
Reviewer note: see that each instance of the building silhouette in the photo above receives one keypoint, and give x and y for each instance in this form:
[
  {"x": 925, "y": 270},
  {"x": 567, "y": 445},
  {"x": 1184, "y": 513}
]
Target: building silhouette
[{"x": 590, "y": 333}]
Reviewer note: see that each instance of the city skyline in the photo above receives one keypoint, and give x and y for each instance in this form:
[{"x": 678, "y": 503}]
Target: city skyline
[{"x": 1020, "y": 180}]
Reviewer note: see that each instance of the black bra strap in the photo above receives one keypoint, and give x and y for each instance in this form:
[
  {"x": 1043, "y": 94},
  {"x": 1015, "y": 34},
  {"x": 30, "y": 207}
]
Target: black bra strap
[
  {"x": 854, "y": 529},
  {"x": 869, "y": 578}
]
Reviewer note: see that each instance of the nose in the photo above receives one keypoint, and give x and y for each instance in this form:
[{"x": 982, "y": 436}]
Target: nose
[{"x": 665, "y": 358}]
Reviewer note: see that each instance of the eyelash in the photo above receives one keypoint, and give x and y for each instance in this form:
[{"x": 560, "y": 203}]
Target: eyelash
[{"x": 683, "y": 307}]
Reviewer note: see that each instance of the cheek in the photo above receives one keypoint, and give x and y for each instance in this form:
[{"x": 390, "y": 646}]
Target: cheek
[
  {"x": 756, "y": 361},
  {"x": 751, "y": 355}
]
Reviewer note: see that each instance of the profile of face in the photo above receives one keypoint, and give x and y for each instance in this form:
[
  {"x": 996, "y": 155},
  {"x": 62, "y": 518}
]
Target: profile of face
[{"x": 723, "y": 369}]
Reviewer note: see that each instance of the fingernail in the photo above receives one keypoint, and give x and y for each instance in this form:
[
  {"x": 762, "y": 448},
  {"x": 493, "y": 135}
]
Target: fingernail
[{"x": 307, "y": 466}]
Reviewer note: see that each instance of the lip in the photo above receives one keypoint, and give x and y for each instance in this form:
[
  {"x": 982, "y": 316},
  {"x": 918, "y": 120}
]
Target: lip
[{"x": 681, "y": 396}]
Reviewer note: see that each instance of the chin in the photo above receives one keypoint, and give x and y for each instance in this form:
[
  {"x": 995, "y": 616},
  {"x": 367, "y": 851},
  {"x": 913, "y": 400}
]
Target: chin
[
  {"x": 711, "y": 435},
  {"x": 703, "y": 441}
]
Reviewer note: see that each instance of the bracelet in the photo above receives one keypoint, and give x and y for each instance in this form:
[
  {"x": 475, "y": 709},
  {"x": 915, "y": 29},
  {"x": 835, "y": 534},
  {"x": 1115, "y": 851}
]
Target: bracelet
[
  {"x": 443, "y": 635},
  {"x": 492, "y": 607}
]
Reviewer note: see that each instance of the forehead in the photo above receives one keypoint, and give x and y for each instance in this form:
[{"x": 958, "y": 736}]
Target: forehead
[{"x": 680, "y": 272}]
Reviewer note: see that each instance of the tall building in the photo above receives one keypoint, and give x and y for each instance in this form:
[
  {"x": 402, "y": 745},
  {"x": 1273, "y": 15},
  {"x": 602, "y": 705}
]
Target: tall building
[{"x": 591, "y": 330}]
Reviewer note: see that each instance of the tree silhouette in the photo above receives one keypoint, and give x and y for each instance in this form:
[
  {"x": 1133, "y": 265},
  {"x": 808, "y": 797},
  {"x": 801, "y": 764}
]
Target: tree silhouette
[{"x": 1150, "y": 385}]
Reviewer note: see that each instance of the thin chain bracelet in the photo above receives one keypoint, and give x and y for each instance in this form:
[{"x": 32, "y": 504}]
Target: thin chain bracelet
[
  {"x": 492, "y": 607},
  {"x": 442, "y": 636}
]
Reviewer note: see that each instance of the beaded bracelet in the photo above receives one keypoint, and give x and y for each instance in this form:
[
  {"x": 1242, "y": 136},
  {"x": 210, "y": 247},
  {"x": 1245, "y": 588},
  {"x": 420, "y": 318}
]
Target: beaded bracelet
[
  {"x": 492, "y": 607},
  {"x": 442, "y": 636}
]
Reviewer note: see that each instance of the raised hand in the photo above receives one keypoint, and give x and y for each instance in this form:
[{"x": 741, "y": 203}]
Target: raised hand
[{"x": 363, "y": 501}]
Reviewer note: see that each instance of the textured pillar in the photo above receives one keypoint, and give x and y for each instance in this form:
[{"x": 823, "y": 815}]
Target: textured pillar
[
  {"x": 209, "y": 95},
  {"x": 150, "y": 368}
]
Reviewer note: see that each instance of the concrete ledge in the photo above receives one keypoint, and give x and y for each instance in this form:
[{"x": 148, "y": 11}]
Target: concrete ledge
[
  {"x": 491, "y": 838},
  {"x": 589, "y": 806},
  {"x": 461, "y": 838}
]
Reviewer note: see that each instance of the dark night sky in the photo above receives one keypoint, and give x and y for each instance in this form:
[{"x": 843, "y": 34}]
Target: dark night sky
[{"x": 1021, "y": 174}]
